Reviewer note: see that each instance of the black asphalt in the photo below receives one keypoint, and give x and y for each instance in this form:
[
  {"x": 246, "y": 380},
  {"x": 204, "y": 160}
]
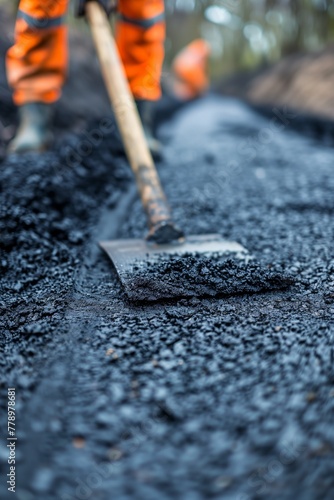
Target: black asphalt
[{"x": 226, "y": 398}]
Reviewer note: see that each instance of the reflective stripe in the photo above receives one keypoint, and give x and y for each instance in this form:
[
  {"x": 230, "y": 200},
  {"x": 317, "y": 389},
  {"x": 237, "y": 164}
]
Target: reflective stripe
[
  {"x": 143, "y": 23},
  {"x": 42, "y": 22}
]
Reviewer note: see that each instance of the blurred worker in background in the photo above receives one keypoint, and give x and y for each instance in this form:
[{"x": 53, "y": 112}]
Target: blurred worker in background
[{"x": 37, "y": 64}]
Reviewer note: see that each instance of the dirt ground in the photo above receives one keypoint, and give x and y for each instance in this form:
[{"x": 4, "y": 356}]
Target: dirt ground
[{"x": 301, "y": 81}]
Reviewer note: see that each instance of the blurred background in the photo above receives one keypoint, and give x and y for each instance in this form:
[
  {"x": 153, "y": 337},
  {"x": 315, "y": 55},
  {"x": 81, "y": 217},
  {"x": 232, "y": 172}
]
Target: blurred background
[
  {"x": 266, "y": 51},
  {"x": 245, "y": 34}
]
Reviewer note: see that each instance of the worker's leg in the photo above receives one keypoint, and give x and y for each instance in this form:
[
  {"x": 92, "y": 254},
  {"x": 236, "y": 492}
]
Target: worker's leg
[
  {"x": 36, "y": 69},
  {"x": 140, "y": 38},
  {"x": 36, "y": 63}
]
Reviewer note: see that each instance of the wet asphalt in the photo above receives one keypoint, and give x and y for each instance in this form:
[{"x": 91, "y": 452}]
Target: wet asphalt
[{"x": 193, "y": 398}]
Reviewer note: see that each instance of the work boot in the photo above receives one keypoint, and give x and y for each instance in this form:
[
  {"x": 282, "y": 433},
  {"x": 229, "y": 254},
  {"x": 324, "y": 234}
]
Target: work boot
[
  {"x": 146, "y": 111},
  {"x": 34, "y": 132}
]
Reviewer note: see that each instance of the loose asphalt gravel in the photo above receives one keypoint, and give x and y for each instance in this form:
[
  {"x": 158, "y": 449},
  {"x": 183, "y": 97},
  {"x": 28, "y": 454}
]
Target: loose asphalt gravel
[{"x": 224, "y": 398}]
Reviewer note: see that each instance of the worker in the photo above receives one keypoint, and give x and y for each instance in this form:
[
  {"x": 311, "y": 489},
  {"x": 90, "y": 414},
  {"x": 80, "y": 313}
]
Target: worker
[
  {"x": 37, "y": 63},
  {"x": 189, "y": 71}
]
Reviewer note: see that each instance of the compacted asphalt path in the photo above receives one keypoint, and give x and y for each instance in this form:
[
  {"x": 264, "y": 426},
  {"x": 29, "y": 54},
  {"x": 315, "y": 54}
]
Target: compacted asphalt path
[{"x": 227, "y": 397}]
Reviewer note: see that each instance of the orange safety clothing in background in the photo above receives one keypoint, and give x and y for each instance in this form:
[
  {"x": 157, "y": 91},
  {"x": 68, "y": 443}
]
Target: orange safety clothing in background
[
  {"x": 37, "y": 62},
  {"x": 190, "y": 70}
]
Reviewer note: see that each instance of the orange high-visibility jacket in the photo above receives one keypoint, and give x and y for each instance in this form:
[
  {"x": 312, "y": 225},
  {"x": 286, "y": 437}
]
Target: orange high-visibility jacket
[{"x": 37, "y": 62}]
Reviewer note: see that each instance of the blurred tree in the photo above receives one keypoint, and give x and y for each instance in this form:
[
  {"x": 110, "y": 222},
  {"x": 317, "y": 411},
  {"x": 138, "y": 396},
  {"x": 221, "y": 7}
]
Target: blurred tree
[{"x": 247, "y": 33}]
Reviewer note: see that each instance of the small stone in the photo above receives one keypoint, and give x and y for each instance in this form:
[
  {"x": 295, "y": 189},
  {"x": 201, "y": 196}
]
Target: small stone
[
  {"x": 311, "y": 396},
  {"x": 42, "y": 480},
  {"x": 223, "y": 482},
  {"x": 114, "y": 454},
  {"x": 78, "y": 442}
]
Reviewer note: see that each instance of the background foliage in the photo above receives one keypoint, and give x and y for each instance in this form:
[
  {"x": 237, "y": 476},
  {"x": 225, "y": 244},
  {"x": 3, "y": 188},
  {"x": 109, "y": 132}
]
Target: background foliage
[{"x": 248, "y": 33}]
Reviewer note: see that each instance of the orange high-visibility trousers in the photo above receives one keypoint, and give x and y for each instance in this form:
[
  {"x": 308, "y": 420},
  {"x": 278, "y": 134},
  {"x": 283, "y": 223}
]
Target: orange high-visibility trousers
[{"x": 37, "y": 62}]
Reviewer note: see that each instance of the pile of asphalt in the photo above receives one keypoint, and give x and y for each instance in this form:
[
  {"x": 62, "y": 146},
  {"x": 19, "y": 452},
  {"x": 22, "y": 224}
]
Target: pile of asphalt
[
  {"x": 49, "y": 205},
  {"x": 226, "y": 397},
  {"x": 168, "y": 276}
]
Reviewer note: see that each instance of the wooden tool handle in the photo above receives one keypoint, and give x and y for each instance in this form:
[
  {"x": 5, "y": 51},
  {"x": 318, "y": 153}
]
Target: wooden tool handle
[{"x": 128, "y": 120}]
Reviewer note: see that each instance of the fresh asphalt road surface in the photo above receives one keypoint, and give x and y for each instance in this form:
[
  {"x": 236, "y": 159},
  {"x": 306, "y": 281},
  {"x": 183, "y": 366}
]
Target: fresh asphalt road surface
[{"x": 229, "y": 397}]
